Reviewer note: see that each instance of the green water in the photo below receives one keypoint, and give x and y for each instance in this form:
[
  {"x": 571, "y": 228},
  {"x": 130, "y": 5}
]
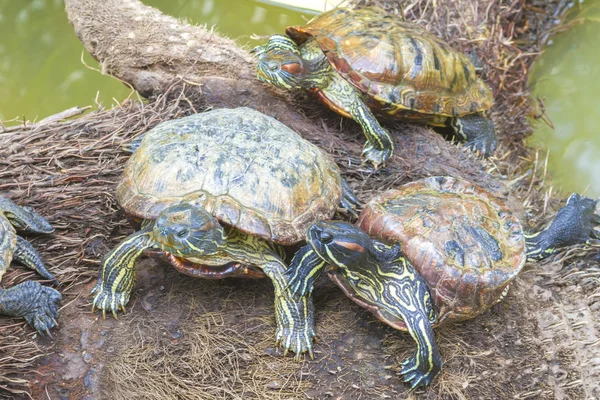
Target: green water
[
  {"x": 567, "y": 77},
  {"x": 41, "y": 72}
]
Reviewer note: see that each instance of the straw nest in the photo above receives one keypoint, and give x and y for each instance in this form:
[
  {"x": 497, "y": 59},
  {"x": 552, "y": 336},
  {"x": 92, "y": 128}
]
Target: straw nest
[{"x": 193, "y": 339}]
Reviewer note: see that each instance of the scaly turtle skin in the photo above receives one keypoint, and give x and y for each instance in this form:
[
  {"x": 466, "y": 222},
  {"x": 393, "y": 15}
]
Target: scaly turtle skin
[
  {"x": 358, "y": 61},
  {"x": 37, "y": 304},
  {"x": 444, "y": 250},
  {"x": 219, "y": 194}
]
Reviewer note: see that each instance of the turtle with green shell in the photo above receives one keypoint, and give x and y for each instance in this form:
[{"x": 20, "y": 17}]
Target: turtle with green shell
[
  {"x": 364, "y": 60},
  {"x": 220, "y": 194},
  {"x": 443, "y": 250},
  {"x": 37, "y": 304}
]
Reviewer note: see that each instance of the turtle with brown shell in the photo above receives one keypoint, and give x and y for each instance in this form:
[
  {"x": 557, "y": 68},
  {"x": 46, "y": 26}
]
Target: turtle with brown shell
[
  {"x": 220, "y": 194},
  {"x": 360, "y": 61},
  {"x": 440, "y": 250}
]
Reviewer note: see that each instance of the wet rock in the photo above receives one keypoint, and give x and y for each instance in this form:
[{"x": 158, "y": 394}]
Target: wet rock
[{"x": 87, "y": 357}]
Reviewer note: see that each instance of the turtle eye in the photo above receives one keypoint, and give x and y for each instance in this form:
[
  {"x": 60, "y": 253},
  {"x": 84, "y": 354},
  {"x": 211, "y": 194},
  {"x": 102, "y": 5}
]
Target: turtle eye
[
  {"x": 273, "y": 66},
  {"x": 182, "y": 233},
  {"x": 326, "y": 237}
]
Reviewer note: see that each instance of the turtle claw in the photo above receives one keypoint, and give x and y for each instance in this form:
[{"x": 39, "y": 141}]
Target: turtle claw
[
  {"x": 376, "y": 157},
  {"x": 105, "y": 300},
  {"x": 483, "y": 145},
  {"x": 298, "y": 341},
  {"x": 417, "y": 374},
  {"x": 295, "y": 325}
]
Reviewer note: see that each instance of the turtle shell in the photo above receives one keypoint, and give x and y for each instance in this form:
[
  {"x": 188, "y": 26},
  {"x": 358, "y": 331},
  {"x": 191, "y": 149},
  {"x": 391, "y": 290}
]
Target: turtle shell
[
  {"x": 8, "y": 243},
  {"x": 465, "y": 243},
  {"x": 247, "y": 169},
  {"x": 402, "y": 69}
]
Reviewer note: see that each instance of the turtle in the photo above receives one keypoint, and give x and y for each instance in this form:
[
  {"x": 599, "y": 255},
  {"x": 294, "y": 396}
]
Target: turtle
[
  {"x": 30, "y": 300},
  {"x": 219, "y": 194},
  {"x": 434, "y": 251},
  {"x": 357, "y": 61}
]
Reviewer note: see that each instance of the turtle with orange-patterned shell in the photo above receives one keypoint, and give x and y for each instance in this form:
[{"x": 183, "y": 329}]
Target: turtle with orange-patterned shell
[
  {"x": 360, "y": 61},
  {"x": 433, "y": 251}
]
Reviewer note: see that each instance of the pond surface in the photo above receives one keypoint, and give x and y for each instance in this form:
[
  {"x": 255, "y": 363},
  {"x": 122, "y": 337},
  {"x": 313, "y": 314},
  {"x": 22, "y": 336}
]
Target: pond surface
[
  {"x": 567, "y": 78},
  {"x": 41, "y": 72}
]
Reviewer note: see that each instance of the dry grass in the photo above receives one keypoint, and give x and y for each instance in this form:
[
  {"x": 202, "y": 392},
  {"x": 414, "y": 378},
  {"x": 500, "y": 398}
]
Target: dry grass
[{"x": 197, "y": 353}]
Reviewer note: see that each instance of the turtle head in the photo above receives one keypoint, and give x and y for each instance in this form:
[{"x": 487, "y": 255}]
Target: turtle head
[
  {"x": 340, "y": 244},
  {"x": 377, "y": 277},
  {"x": 24, "y": 218},
  {"x": 188, "y": 231},
  {"x": 280, "y": 63}
]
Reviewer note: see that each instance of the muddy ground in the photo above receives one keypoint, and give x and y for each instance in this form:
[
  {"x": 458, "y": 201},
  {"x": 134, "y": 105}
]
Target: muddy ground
[{"x": 214, "y": 339}]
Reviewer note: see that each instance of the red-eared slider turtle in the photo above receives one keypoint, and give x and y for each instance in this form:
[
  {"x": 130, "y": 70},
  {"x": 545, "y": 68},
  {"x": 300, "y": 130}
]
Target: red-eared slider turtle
[
  {"x": 445, "y": 250},
  {"x": 360, "y": 60},
  {"x": 220, "y": 193},
  {"x": 37, "y": 304}
]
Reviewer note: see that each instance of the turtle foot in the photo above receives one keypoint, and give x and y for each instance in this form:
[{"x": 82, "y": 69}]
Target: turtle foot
[
  {"x": 298, "y": 340},
  {"x": 36, "y": 303},
  {"x": 576, "y": 223},
  {"x": 483, "y": 145},
  {"x": 478, "y": 133},
  {"x": 376, "y": 157},
  {"x": 418, "y": 373},
  {"x": 106, "y": 299},
  {"x": 295, "y": 325}
]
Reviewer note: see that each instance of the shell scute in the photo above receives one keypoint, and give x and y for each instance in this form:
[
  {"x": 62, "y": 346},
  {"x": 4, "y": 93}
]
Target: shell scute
[
  {"x": 404, "y": 69},
  {"x": 8, "y": 243},
  {"x": 465, "y": 242},
  {"x": 247, "y": 169}
]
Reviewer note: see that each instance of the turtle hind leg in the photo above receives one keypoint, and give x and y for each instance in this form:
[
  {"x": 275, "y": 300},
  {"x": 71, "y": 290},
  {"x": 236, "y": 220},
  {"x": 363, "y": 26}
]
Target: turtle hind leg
[
  {"x": 37, "y": 304},
  {"x": 28, "y": 256},
  {"x": 575, "y": 223},
  {"x": 478, "y": 133},
  {"x": 349, "y": 202},
  {"x": 24, "y": 218}
]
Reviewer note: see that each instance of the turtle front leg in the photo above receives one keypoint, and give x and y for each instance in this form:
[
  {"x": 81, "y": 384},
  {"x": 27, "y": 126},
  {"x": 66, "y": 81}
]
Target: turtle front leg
[
  {"x": 406, "y": 297},
  {"x": 117, "y": 275},
  {"x": 29, "y": 257},
  {"x": 294, "y": 314},
  {"x": 478, "y": 133},
  {"x": 343, "y": 98},
  {"x": 575, "y": 223},
  {"x": 37, "y": 304},
  {"x": 424, "y": 365}
]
